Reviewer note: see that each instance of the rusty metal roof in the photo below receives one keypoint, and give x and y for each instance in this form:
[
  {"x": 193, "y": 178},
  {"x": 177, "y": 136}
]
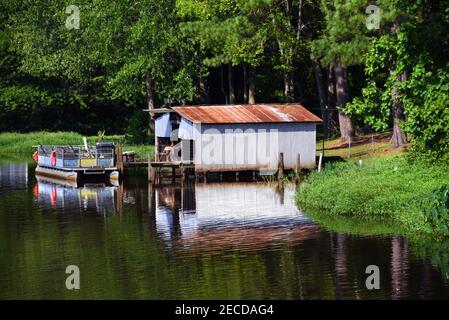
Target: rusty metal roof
[{"x": 254, "y": 113}]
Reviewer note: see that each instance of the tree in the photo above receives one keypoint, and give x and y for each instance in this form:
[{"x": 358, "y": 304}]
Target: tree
[
  {"x": 341, "y": 44},
  {"x": 119, "y": 45},
  {"x": 227, "y": 32},
  {"x": 405, "y": 45}
]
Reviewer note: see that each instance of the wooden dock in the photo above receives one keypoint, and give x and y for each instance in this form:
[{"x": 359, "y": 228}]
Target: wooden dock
[{"x": 158, "y": 164}]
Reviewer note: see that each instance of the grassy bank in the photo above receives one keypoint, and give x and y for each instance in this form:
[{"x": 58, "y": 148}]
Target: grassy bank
[
  {"x": 361, "y": 147},
  {"x": 12, "y": 142},
  {"x": 387, "y": 189}
]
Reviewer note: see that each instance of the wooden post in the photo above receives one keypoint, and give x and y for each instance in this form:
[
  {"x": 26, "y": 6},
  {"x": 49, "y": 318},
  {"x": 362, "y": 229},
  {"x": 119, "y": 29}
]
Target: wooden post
[
  {"x": 281, "y": 166},
  {"x": 157, "y": 177},
  {"x": 298, "y": 168},
  {"x": 320, "y": 162},
  {"x": 183, "y": 172},
  {"x": 151, "y": 174},
  {"x": 156, "y": 148},
  {"x": 119, "y": 158},
  {"x": 149, "y": 168}
]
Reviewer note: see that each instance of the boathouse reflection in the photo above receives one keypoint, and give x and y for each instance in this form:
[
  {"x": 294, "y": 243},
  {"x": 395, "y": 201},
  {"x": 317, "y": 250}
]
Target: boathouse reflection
[{"x": 227, "y": 214}]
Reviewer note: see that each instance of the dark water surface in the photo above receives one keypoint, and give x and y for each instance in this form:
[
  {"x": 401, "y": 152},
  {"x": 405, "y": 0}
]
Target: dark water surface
[{"x": 203, "y": 241}]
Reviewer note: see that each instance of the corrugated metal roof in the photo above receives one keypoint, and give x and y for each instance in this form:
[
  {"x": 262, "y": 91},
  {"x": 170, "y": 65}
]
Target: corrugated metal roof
[{"x": 254, "y": 113}]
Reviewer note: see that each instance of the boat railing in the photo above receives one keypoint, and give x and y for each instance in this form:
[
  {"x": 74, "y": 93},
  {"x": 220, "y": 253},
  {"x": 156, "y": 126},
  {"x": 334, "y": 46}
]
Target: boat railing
[{"x": 72, "y": 156}]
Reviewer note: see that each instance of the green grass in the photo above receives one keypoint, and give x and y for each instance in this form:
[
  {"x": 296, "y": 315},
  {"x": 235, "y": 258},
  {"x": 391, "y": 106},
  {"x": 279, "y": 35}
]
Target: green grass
[
  {"x": 362, "y": 147},
  {"x": 12, "y": 142},
  {"x": 142, "y": 151},
  {"x": 388, "y": 189}
]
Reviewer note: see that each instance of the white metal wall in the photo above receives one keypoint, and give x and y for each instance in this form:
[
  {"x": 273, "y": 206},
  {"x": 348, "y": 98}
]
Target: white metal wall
[{"x": 238, "y": 146}]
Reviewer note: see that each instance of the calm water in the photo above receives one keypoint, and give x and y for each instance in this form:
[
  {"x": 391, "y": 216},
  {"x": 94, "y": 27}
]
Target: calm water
[{"x": 203, "y": 241}]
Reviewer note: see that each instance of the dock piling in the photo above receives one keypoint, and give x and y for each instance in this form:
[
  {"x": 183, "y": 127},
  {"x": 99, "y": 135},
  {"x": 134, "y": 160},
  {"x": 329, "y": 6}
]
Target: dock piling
[
  {"x": 298, "y": 168},
  {"x": 281, "y": 166},
  {"x": 320, "y": 161}
]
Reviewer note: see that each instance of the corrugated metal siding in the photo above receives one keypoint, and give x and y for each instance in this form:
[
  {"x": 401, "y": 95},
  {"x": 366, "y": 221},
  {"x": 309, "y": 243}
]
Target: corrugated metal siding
[
  {"x": 256, "y": 113},
  {"x": 238, "y": 144}
]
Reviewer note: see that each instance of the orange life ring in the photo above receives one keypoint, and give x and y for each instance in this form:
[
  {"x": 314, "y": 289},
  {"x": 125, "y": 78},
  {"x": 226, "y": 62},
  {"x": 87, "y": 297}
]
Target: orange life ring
[
  {"x": 36, "y": 156},
  {"x": 53, "y": 158}
]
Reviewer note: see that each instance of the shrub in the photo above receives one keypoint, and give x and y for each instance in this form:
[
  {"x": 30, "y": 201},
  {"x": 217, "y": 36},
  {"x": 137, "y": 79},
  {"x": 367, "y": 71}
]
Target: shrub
[{"x": 437, "y": 213}]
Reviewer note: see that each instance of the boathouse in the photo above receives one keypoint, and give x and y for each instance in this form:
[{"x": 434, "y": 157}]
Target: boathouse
[{"x": 219, "y": 138}]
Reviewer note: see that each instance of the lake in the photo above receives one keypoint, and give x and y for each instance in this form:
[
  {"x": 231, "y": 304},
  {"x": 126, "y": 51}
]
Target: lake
[{"x": 229, "y": 240}]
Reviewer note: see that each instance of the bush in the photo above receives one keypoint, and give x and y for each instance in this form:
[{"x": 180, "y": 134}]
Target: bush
[
  {"x": 438, "y": 213},
  {"x": 427, "y": 113}
]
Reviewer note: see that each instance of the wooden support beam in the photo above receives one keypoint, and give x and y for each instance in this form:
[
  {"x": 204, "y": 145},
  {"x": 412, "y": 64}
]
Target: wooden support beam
[
  {"x": 298, "y": 168},
  {"x": 281, "y": 166},
  {"x": 183, "y": 172},
  {"x": 320, "y": 161}
]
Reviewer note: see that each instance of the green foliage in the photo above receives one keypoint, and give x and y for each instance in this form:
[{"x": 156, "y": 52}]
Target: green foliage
[
  {"x": 232, "y": 31},
  {"x": 413, "y": 49},
  {"x": 385, "y": 188},
  {"x": 437, "y": 212},
  {"x": 427, "y": 112},
  {"x": 344, "y": 38},
  {"x": 137, "y": 130}
]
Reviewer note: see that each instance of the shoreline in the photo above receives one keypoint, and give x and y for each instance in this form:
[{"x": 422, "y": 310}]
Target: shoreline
[{"x": 387, "y": 189}]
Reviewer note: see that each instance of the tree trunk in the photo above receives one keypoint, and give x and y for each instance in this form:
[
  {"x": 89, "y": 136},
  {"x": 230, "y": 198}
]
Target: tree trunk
[
  {"x": 289, "y": 89},
  {"x": 222, "y": 85},
  {"x": 318, "y": 73},
  {"x": 331, "y": 103},
  {"x": 231, "y": 85},
  {"x": 346, "y": 128},
  {"x": 399, "y": 137},
  {"x": 251, "y": 87},
  {"x": 203, "y": 94},
  {"x": 150, "y": 99},
  {"x": 286, "y": 54},
  {"x": 245, "y": 84}
]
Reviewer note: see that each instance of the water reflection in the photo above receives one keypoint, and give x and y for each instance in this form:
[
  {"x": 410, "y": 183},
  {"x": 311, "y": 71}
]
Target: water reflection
[
  {"x": 74, "y": 197},
  {"x": 196, "y": 241},
  {"x": 14, "y": 176},
  {"x": 233, "y": 214}
]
